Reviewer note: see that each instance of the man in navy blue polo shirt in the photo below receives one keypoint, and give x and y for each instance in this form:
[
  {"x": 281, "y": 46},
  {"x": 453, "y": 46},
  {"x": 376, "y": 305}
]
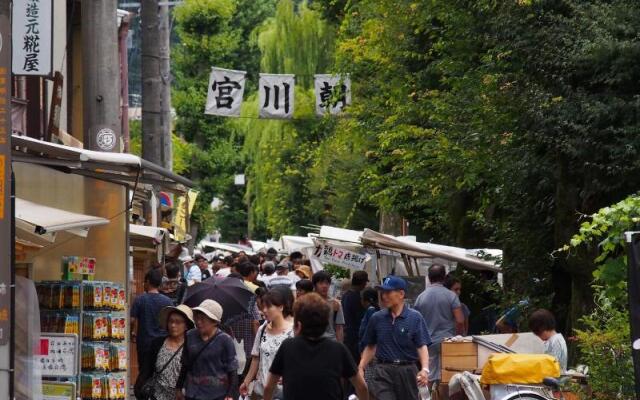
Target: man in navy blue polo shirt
[{"x": 398, "y": 338}]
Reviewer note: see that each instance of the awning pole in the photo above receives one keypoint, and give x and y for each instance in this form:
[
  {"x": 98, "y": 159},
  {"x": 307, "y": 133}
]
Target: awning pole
[
  {"x": 407, "y": 263},
  {"x": 378, "y": 258}
]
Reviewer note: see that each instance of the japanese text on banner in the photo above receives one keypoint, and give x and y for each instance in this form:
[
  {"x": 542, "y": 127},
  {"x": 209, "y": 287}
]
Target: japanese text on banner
[
  {"x": 341, "y": 257},
  {"x": 225, "y": 93}
]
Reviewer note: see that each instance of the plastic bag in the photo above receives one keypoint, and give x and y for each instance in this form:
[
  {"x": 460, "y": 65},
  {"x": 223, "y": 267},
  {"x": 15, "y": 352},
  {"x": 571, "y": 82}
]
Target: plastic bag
[{"x": 241, "y": 356}]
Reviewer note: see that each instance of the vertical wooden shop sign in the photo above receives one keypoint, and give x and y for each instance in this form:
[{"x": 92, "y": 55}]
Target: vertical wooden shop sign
[
  {"x": 6, "y": 239},
  {"x": 6, "y": 211},
  {"x": 56, "y": 105}
]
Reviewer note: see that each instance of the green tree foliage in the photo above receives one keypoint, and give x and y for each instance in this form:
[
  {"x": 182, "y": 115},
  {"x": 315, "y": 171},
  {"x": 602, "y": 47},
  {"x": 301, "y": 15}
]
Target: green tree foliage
[
  {"x": 214, "y": 33},
  {"x": 604, "y": 339},
  {"x": 291, "y": 162},
  {"x": 497, "y": 123}
]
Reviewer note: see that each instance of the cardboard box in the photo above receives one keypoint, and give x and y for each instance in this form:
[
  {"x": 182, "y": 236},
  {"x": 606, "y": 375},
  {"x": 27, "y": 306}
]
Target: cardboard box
[{"x": 458, "y": 356}]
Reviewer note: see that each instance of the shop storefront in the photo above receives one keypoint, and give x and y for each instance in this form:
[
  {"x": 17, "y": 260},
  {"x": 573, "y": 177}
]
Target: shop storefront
[{"x": 74, "y": 276}]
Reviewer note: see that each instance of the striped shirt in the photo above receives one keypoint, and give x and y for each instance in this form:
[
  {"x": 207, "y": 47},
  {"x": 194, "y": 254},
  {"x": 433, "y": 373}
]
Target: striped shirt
[
  {"x": 281, "y": 280},
  {"x": 399, "y": 339}
]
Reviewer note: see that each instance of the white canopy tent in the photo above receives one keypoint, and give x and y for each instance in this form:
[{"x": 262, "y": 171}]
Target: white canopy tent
[
  {"x": 227, "y": 247},
  {"x": 435, "y": 252},
  {"x": 38, "y": 224},
  {"x": 289, "y": 244}
]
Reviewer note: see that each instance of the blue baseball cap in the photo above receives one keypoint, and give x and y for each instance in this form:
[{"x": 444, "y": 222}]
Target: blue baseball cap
[{"x": 393, "y": 282}]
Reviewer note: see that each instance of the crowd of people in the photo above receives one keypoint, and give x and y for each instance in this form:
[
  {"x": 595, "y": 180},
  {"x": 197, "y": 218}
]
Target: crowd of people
[{"x": 299, "y": 341}]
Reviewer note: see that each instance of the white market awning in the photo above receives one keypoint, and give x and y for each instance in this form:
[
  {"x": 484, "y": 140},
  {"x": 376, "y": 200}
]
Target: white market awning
[
  {"x": 340, "y": 234},
  {"x": 150, "y": 232},
  {"x": 430, "y": 250},
  {"x": 41, "y": 222},
  {"x": 229, "y": 247},
  {"x": 296, "y": 243},
  {"x": 121, "y": 168}
]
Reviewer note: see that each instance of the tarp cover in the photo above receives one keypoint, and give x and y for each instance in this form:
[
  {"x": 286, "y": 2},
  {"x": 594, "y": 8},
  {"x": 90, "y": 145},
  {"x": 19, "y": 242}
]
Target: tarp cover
[{"x": 519, "y": 369}]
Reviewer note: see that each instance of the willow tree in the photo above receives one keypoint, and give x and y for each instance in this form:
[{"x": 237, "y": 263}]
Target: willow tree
[
  {"x": 280, "y": 153},
  {"x": 214, "y": 33}
]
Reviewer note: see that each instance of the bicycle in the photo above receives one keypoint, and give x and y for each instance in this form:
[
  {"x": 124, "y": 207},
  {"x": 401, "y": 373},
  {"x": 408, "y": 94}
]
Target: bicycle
[{"x": 551, "y": 389}]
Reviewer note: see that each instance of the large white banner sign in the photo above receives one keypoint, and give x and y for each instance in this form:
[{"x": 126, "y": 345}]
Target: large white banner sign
[
  {"x": 333, "y": 93},
  {"x": 32, "y": 33},
  {"x": 276, "y": 95},
  {"x": 341, "y": 257},
  {"x": 226, "y": 91}
]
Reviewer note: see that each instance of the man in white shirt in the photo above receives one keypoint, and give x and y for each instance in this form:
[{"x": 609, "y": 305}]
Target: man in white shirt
[
  {"x": 192, "y": 273},
  {"x": 282, "y": 278},
  {"x": 268, "y": 272},
  {"x": 225, "y": 269}
]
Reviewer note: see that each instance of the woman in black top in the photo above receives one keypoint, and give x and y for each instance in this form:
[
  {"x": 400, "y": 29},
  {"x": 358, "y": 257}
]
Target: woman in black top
[
  {"x": 312, "y": 366},
  {"x": 164, "y": 356}
]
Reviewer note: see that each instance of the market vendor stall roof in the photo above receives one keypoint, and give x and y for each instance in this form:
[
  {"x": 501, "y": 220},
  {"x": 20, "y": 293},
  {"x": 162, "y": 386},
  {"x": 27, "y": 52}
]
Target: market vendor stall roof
[
  {"x": 37, "y": 224},
  {"x": 429, "y": 250},
  {"x": 147, "y": 236},
  {"x": 339, "y": 234},
  {"x": 289, "y": 244},
  {"x": 121, "y": 168},
  {"x": 230, "y": 247}
]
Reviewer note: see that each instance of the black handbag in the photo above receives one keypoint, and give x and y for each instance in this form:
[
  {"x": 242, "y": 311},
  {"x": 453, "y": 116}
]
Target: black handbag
[{"x": 147, "y": 390}]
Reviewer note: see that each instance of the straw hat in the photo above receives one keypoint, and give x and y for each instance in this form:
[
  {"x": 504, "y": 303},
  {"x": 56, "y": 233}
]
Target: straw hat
[
  {"x": 211, "y": 308},
  {"x": 184, "y": 310},
  {"x": 304, "y": 272}
]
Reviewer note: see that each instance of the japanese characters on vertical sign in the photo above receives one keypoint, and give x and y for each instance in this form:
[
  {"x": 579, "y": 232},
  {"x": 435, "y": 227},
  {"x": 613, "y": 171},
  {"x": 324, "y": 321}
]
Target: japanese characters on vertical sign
[
  {"x": 6, "y": 239},
  {"x": 275, "y": 97},
  {"x": 226, "y": 91},
  {"x": 32, "y": 37},
  {"x": 333, "y": 93}
]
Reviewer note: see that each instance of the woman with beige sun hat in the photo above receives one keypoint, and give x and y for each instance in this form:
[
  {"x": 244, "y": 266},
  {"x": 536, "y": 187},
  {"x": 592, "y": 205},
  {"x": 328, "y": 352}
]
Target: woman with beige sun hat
[
  {"x": 209, "y": 362},
  {"x": 161, "y": 365}
]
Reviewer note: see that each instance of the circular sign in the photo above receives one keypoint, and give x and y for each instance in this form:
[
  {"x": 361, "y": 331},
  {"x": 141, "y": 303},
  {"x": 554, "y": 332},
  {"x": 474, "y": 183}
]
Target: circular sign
[
  {"x": 106, "y": 139},
  {"x": 636, "y": 344}
]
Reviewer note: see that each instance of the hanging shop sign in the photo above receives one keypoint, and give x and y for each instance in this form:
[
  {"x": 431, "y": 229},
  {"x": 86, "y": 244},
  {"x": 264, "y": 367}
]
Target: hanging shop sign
[
  {"x": 32, "y": 37},
  {"x": 6, "y": 240},
  {"x": 341, "y": 257}
]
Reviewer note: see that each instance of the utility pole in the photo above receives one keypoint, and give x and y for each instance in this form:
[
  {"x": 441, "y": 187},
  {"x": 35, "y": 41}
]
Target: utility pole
[
  {"x": 101, "y": 76},
  {"x": 156, "y": 85}
]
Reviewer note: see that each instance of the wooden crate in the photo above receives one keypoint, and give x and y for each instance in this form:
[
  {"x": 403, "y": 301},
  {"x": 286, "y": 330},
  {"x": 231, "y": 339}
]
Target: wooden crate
[{"x": 458, "y": 356}]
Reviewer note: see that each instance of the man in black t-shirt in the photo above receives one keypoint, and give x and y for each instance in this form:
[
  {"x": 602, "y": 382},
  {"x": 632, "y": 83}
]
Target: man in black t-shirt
[{"x": 312, "y": 366}]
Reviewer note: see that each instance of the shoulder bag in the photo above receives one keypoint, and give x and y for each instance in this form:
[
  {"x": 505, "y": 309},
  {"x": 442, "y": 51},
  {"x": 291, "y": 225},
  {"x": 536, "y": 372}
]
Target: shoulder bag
[{"x": 147, "y": 390}]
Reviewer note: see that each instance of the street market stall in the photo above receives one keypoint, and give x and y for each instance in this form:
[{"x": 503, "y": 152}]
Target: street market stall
[{"x": 73, "y": 223}]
